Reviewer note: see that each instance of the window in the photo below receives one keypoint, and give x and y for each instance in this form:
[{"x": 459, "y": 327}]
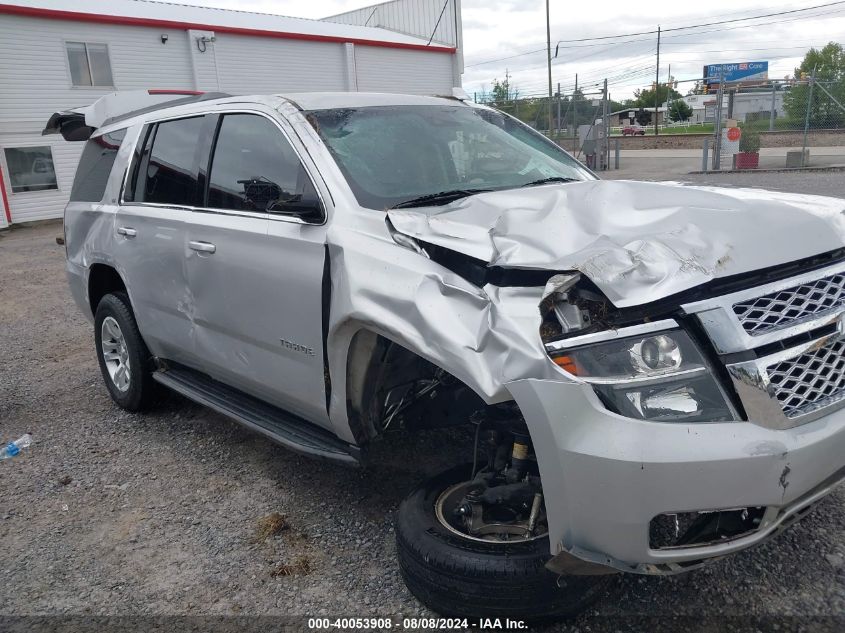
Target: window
[
  {"x": 89, "y": 64},
  {"x": 255, "y": 168},
  {"x": 393, "y": 154},
  {"x": 169, "y": 167},
  {"x": 92, "y": 174},
  {"x": 31, "y": 168}
]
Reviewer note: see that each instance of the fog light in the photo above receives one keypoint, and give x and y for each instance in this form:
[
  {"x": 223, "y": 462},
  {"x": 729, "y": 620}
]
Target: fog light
[{"x": 681, "y": 401}]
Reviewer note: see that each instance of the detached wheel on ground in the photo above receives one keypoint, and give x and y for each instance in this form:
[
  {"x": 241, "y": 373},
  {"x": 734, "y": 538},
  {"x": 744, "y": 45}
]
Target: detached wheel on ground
[
  {"x": 125, "y": 361},
  {"x": 500, "y": 572}
]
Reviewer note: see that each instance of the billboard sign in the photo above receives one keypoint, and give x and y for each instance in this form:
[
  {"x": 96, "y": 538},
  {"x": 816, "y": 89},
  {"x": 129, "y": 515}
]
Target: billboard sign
[{"x": 742, "y": 72}]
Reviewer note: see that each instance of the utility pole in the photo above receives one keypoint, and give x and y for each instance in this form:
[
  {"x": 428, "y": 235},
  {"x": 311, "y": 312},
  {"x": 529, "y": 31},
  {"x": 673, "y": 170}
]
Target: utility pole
[
  {"x": 657, "y": 85},
  {"x": 557, "y": 127},
  {"x": 668, "y": 94},
  {"x": 807, "y": 117},
  {"x": 772, "y": 109},
  {"x": 575, "y": 108},
  {"x": 605, "y": 119},
  {"x": 549, "y": 56}
]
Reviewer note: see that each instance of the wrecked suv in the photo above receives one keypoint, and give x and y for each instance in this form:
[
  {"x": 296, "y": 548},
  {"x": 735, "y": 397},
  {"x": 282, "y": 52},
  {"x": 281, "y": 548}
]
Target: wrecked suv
[{"x": 653, "y": 374}]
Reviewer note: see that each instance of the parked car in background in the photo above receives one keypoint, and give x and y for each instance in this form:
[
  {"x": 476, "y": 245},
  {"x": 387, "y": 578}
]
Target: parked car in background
[
  {"x": 633, "y": 130},
  {"x": 652, "y": 372}
]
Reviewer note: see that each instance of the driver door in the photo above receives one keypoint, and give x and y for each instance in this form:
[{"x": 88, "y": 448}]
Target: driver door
[{"x": 256, "y": 271}]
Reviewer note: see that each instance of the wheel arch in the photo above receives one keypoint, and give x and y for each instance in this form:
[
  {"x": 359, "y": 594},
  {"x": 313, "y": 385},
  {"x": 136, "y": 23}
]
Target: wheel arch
[
  {"x": 366, "y": 353},
  {"x": 102, "y": 280}
]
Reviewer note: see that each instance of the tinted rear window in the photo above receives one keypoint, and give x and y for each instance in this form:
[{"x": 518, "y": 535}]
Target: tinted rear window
[
  {"x": 95, "y": 165},
  {"x": 173, "y": 167}
]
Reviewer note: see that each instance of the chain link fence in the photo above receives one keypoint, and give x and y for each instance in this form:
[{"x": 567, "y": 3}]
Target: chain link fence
[
  {"x": 580, "y": 123},
  {"x": 768, "y": 125},
  {"x": 791, "y": 124}
]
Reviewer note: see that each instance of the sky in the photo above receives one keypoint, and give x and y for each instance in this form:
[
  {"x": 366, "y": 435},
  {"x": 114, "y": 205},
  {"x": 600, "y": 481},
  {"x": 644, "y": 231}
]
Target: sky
[{"x": 496, "y": 29}]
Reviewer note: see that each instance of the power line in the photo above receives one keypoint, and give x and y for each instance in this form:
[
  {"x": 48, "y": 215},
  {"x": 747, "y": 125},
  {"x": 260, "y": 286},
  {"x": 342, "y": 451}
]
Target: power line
[{"x": 674, "y": 29}]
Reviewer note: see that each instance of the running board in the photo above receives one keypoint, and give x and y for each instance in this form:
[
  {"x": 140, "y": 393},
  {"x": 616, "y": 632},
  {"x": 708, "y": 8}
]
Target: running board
[{"x": 280, "y": 426}]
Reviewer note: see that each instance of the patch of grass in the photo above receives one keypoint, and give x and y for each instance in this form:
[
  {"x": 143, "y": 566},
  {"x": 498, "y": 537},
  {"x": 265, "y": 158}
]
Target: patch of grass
[
  {"x": 270, "y": 526},
  {"x": 301, "y": 566},
  {"x": 700, "y": 128}
]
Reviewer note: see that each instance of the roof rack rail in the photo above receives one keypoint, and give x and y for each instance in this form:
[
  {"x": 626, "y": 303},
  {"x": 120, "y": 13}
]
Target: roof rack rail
[{"x": 79, "y": 124}]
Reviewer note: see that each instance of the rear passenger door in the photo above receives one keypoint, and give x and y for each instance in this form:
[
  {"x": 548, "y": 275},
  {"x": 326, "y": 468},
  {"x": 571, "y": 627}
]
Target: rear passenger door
[
  {"x": 255, "y": 270},
  {"x": 161, "y": 190}
]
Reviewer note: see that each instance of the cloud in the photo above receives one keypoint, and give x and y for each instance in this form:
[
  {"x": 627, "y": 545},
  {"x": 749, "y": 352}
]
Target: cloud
[{"x": 495, "y": 29}]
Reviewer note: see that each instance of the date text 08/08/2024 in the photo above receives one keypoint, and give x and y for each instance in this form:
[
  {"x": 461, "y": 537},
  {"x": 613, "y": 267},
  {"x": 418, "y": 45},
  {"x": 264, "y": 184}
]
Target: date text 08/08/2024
[{"x": 459, "y": 624}]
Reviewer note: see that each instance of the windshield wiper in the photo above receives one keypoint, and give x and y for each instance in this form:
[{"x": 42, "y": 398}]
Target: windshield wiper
[
  {"x": 546, "y": 181},
  {"x": 442, "y": 197}
]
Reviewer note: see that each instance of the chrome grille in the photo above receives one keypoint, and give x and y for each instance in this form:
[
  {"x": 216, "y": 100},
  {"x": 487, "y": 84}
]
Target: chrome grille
[
  {"x": 808, "y": 382},
  {"x": 778, "y": 309}
]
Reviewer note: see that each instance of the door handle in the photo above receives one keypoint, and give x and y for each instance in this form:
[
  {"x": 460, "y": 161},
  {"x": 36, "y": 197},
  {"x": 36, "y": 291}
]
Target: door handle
[
  {"x": 127, "y": 231},
  {"x": 202, "y": 247}
]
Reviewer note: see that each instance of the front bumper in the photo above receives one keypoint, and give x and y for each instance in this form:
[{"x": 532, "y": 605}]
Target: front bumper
[{"x": 605, "y": 476}]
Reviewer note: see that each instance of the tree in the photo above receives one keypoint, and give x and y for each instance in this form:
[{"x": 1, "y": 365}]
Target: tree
[
  {"x": 829, "y": 66},
  {"x": 645, "y": 98},
  {"x": 679, "y": 110},
  {"x": 643, "y": 117},
  {"x": 502, "y": 92}
]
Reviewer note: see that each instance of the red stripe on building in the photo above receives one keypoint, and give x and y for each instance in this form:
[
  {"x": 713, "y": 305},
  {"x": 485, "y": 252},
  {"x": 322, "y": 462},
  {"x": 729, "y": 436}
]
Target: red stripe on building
[
  {"x": 5, "y": 198},
  {"x": 99, "y": 18}
]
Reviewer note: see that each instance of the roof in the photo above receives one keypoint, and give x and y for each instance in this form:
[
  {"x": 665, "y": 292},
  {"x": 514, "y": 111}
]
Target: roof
[
  {"x": 636, "y": 109},
  {"x": 332, "y": 100},
  {"x": 78, "y": 124},
  {"x": 169, "y": 15}
]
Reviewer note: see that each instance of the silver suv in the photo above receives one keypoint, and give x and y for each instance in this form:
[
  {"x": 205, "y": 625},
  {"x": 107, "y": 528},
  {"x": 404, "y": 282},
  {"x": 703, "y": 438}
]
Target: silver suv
[{"x": 653, "y": 374}]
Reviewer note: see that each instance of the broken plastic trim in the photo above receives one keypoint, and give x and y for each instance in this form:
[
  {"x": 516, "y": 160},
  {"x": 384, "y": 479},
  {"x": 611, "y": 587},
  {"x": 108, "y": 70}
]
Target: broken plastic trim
[
  {"x": 480, "y": 274},
  {"x": 70, "y": 124},
  {"x": 698, "y": 529}
]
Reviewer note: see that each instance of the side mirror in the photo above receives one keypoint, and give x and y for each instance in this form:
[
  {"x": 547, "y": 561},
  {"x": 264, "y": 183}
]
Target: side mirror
[{"x": 308, "y": 209}]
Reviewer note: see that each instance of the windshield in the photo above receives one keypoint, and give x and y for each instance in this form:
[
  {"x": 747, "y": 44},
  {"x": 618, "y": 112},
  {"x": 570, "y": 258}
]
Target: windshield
[{"x": 394, "y": 154}]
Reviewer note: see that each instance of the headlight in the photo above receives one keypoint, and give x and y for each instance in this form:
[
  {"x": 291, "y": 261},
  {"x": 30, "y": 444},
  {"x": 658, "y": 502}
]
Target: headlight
[{"x": 660, "y": 376}]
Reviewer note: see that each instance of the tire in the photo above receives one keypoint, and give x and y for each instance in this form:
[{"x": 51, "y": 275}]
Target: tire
[
  {"x": 138, "y": 391},
  {"x": 461, "y": 577}
]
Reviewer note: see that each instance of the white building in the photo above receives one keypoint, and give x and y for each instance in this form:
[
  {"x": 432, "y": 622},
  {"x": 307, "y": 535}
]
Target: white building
[
  {"x": 745, "y": 104},
  {"x": 59, "y": 54}
]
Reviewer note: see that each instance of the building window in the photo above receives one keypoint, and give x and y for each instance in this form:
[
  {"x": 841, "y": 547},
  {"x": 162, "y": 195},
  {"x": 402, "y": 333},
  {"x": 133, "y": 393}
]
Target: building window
[
  {"x": 89, "y": 64},
  {"x": 31, "y": 168}
]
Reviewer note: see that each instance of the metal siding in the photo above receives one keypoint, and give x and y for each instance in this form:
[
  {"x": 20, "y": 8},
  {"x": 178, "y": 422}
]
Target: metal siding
[
  {"x": 263, "y": 65},
  {"x": 413, "y": 72},
  {"x": 33, "y": 64},
  {"x": 185, "y": 16},
  {"x": 36, "y": 82},
  {"x": 411, "y": 17}
]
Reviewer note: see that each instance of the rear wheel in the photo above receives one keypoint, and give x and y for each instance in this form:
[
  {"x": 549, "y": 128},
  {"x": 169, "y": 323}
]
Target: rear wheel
[
  {"x": 125, "y": 361},
  {"x": 491, "y": 566}
]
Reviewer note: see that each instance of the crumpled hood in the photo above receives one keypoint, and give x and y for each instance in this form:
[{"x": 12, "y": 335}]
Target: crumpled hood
[{"x": 637, "y": 241}]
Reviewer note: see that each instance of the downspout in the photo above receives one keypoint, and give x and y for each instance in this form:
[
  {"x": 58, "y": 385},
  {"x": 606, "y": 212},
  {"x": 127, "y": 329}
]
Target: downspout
[{"x": 458, "y": 58}]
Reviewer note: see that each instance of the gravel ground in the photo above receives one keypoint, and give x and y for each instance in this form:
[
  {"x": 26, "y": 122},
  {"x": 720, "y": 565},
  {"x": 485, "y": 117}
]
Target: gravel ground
[
  {"x": 824, "y": 183},
  {"x": 160, "y": 514}
]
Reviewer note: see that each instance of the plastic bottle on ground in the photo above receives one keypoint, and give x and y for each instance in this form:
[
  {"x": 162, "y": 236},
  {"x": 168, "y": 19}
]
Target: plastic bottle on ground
[{"x": 13, "y": 448}]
